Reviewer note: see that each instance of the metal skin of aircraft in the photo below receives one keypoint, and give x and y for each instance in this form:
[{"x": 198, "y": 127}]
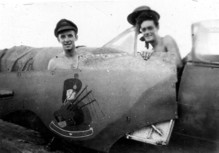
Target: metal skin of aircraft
[{"x": 112, "y": 94}]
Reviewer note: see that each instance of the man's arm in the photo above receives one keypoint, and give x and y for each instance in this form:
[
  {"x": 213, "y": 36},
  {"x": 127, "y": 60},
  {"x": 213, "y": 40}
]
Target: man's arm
[{"x": 173, "y": 50}]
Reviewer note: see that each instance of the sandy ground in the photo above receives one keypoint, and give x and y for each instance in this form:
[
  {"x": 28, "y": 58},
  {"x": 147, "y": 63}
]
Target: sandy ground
[{"x": 17, "y": 139}]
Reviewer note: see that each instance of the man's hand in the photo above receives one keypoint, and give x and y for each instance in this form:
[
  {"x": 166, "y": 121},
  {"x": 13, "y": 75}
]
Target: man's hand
[{"x": 145, "y": 54}]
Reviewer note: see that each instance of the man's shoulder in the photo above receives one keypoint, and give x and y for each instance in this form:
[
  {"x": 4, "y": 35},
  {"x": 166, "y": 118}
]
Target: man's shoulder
[
  {"x": 57, "y": 57},
  {"x": 54, "y": 61},
  {"x": 168, "y": 38}
]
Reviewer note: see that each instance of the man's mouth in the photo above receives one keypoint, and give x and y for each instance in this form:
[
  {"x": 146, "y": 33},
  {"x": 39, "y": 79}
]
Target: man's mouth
[
  {"x": 147, "y": 35},
  {"x": 67, "y": 45}
]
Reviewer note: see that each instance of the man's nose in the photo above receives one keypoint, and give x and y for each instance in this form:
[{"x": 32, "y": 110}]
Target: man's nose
[
  {"x": 147, "y": 31},
  {"x": 66, "y": 39}
]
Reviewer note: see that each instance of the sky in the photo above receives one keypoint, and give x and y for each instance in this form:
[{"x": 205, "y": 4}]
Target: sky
[{"x": 32, "y": 22}]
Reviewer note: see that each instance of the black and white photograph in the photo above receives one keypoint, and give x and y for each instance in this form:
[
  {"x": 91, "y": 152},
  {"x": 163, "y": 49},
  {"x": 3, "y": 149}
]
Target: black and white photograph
[{"x": 109, "y": 76}]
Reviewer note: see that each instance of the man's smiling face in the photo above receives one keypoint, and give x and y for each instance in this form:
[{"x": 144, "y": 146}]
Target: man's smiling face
[
  {"x": 149, "y": 30},
  {"x": 67, "y": 39}
]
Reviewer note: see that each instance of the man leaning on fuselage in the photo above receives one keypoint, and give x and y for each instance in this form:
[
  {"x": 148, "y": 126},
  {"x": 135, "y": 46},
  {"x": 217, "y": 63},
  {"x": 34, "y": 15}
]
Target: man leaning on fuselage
[{"x": 146, "y": 21}]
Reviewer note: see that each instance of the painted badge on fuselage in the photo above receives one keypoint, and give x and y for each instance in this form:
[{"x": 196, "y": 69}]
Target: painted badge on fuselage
[{"x": 73, "y": 118}]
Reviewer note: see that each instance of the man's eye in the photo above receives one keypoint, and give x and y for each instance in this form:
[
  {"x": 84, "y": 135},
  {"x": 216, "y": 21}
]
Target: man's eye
[
  {"x": 70, "y": 36},
  {"x": 62, "y": 36},
  {"x": 150, "y": 28},
  {"x": 143, "y": 29}
]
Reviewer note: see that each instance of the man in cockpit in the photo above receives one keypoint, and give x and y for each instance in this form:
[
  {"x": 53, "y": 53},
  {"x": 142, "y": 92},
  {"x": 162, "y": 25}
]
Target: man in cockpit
[
  {"x": 66, "y": 32},
  {"x": 147, "y": 23}
]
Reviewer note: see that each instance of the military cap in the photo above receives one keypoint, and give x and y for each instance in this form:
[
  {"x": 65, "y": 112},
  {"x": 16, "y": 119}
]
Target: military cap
[
  {"x": 132, "y": 17},
  {"x": 63, "y": 25}
]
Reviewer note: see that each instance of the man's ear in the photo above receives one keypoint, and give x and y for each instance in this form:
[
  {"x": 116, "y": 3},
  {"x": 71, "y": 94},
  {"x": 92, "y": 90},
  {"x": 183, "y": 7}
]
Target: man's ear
[
  {"x": 58, "y": 39},
  {"x": 76, "y": 37}
]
